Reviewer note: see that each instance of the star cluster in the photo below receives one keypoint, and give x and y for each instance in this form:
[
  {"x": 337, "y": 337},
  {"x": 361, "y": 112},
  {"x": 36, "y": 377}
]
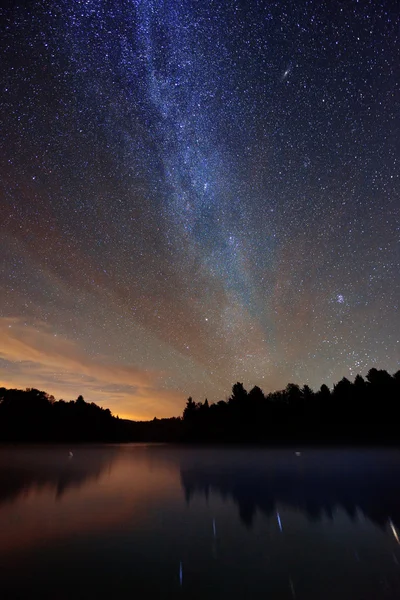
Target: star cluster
[{"x": 195, "y": 193}]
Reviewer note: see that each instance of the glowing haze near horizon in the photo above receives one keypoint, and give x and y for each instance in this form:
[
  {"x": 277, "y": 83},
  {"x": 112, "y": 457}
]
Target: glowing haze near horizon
[{"x": 195, "y": 193}]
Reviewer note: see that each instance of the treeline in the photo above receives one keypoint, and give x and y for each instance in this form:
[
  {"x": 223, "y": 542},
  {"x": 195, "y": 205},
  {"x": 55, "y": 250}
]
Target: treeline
[
  {"x": 366, "y": 410},
  {"x": 32, "y": 415},
  {"x": 362, "y": 411}
]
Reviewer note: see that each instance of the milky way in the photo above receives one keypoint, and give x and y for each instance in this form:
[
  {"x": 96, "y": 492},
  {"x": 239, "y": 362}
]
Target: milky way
[{"x": 195, "y": 193}]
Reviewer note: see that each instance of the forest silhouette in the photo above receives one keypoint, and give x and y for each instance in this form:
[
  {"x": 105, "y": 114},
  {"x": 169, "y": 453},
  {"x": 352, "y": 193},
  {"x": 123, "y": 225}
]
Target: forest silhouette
[{"x": 363, "y": 411}]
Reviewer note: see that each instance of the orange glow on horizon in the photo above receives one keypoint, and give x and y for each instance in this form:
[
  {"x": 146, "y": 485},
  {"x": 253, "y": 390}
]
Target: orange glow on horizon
[{"x": 37, "y": 358}]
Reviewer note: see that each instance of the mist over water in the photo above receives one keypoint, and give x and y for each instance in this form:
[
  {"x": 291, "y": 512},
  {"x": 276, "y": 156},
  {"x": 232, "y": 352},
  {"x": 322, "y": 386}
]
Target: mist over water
[{"x": 156, "y": 521}]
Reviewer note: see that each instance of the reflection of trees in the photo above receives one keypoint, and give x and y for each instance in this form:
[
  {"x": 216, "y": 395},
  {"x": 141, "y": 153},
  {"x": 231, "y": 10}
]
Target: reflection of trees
[
  {"x": 314, "y": 483},
  {"x": 22, "y": 469}
]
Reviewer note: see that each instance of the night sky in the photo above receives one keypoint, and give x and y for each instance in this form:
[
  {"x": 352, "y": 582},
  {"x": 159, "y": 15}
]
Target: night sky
[{"x": 195, "y": 193}]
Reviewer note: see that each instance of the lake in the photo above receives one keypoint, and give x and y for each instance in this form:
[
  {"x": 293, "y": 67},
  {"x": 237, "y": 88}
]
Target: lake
[{"x": 154, "y": 521}]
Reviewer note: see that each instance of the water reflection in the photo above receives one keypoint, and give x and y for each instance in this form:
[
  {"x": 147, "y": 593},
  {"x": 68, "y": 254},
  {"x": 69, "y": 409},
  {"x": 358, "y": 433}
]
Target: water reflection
[
  {"x": 55, "y": 468},
  {"x": 316, "y": 483},
  {"x": 164, "y": 522},
  {"x": 46, "y": 494}
]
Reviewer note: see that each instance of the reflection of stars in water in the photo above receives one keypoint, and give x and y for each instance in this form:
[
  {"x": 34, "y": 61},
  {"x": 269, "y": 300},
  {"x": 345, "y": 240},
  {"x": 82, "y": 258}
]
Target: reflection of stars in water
[
  {"x": 394, "y": 531},
  {"x": 278, "y": 518}
]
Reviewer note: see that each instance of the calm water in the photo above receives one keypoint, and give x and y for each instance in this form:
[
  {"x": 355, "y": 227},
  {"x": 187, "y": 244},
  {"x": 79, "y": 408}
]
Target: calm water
[{"x": 166, "y": 522}]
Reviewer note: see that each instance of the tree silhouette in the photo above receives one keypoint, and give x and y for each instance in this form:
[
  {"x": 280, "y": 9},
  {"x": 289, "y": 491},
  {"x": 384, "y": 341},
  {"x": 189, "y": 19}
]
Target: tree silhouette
[
  {"x": 238, "y": 396},
  {"x": 362, "y": 411},
  {"x": 190, "y": 411}
]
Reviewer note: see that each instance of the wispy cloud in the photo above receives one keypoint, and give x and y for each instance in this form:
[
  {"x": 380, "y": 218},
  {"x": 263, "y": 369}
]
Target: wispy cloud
[{"x": 35, "y": 357}]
